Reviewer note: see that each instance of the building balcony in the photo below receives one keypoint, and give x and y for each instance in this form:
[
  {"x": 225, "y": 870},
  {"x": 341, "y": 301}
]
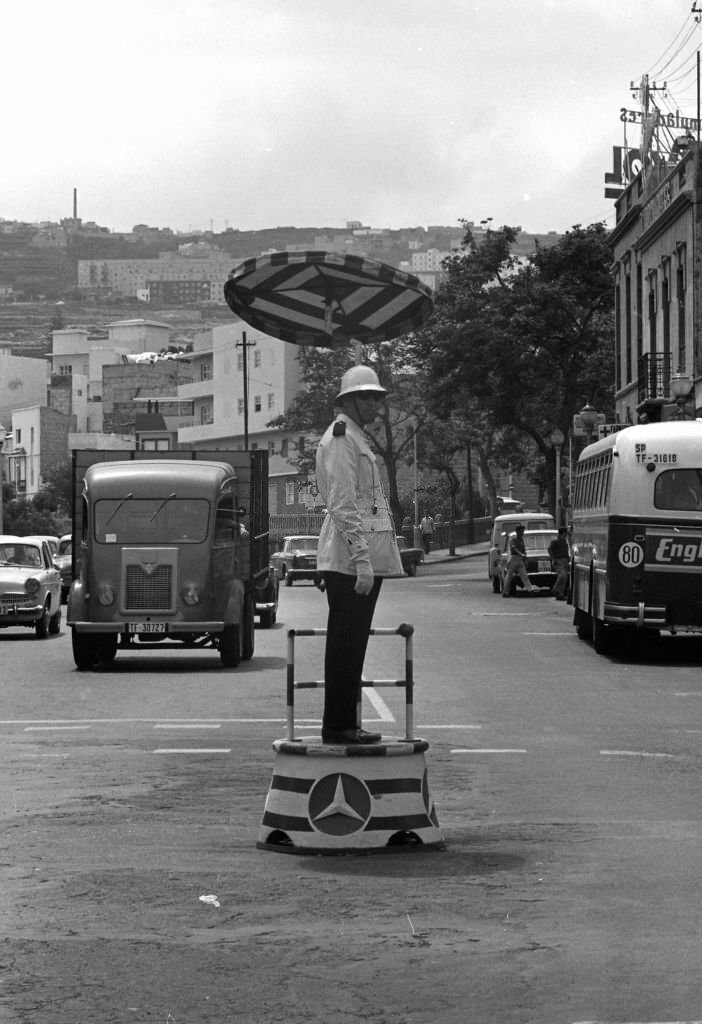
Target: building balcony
[
  {"x": 199, "y": 432},
  {"x": 198, "y": 389}
]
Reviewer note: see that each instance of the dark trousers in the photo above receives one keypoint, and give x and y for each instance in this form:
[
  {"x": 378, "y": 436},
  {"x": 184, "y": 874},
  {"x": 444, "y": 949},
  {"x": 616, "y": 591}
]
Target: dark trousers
[{"x": 348, "y": 626}]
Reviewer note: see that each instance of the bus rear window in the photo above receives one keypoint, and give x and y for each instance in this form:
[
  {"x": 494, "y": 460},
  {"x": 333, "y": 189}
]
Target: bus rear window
[
  {"x": 167, "y": 520},
  {"x": 679, "y": 489}
]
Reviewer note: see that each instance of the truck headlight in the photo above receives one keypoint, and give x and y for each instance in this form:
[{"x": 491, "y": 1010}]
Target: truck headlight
[
  {"x": 191, "y": 593},
  {"x": 105, "y": 594},
  {"x": 32, "y": 586}
]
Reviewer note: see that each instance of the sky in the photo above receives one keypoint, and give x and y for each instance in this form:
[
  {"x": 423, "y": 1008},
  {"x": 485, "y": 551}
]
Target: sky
[{"x": 215, "y": 114}]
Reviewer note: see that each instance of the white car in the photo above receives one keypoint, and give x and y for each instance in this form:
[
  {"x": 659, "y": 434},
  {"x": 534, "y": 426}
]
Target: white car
[
  {"x": 538, "y": 560},
  {"x": 297, "y": 559},
  {"x": 30, "y": 586}
]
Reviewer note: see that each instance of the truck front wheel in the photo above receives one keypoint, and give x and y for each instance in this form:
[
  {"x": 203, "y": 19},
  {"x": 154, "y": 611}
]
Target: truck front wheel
[
  {"x": 230, "y": 648},
  {"x": 84, "y": 650},
  {"x": 249, "y": 627}
]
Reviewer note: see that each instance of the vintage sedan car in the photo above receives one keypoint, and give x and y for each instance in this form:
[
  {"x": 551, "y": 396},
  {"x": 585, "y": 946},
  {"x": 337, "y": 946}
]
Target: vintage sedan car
[
  {"x": 539, "y": 568},
  {"x": 63, "y": 560},
  {"x": 297, "y": 559},
  {"x": 30, "y": 586},
  {"x": 411, "y": 557}
]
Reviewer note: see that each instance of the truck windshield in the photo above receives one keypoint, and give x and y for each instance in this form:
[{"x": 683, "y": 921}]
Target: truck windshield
[{"x": 165, "y": 520}]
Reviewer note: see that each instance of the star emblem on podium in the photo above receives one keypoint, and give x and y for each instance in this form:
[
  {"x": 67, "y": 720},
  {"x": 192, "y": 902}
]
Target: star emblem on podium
[{"x": 339, "y": 804}]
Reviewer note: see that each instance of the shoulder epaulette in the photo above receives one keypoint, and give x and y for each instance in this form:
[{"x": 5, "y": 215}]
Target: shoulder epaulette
[{"x": 339, "y": 429}]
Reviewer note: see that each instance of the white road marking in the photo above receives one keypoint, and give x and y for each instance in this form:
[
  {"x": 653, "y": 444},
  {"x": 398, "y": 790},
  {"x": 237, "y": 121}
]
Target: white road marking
[
  {"x": 570, "y": 633},
  {"x": 692, "y": 693},
  {"x": 137, "y": 721},
  {"x": 193, "y": 750},
  {"x": 440, "y": 586},
  {"x": 485, "y": 615},
  {"x": 379, "y": 706},
  {"x": 188, "y": 725},
  {"x": 53, "y": 728},
  {"x": 634, "y": 753},
  {"x": 638, "y": 1022},
  {"x": 423, "y": 726},
  {"x": 488, "y": 750}
]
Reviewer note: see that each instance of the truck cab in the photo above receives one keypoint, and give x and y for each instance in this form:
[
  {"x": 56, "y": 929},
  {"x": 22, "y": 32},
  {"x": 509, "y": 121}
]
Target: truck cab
[{"x": 162, "y": 556}]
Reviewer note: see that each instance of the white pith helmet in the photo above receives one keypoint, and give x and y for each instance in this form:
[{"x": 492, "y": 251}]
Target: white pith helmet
[{"x": 359, "y": 379}]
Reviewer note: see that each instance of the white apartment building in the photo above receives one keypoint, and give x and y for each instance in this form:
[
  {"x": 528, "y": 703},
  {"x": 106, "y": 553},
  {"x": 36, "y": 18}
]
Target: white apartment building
[
  {"x": 23, "y": 382},
  {"x": 75, "y": 354},
  {"x": 133, "y": 277}
]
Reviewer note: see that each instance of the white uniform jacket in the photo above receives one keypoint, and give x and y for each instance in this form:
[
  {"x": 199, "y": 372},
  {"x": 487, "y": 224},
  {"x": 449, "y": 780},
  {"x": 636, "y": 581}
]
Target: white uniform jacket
[{"x": 358, "y": 533}]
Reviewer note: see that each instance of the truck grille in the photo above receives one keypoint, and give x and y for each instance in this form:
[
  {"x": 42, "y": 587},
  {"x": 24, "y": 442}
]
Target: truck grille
[{"x": 148, "y": 591}]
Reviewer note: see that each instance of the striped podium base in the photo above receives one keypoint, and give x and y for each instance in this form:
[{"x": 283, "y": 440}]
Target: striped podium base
[{"x": 326, "y": 798}]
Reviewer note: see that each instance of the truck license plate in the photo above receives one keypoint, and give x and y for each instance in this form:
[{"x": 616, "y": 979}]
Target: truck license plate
[
  {"x": 544, "y": 565},
  {"x": 146, "y": 627}
]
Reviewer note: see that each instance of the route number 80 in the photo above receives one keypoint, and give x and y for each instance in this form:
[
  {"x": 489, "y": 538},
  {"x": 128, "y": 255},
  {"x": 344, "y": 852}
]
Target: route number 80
[{"x": 630, "y": 555}]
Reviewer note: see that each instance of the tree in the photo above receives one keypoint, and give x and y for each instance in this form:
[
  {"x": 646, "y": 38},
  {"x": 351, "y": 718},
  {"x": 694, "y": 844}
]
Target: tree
[{"x": 524, "y": 344}]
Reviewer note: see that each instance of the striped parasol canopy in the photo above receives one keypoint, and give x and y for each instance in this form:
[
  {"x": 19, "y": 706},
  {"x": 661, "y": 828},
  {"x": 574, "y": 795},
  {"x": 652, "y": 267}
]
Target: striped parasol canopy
[{"x": 326, "y": 299}]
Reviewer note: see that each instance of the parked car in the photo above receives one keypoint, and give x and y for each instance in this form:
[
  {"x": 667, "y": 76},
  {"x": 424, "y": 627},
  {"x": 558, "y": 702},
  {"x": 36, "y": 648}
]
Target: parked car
[
  {"x": 411, "y": 557},
  {"x": 297, "y": 559},
  {"x": 538, "y": 561},
  {"x": 63, "y": 561},
  {"x": 30, "y": 586},
  {"x": 501, "y": 527},
  {"x": 52, "y": 541}
]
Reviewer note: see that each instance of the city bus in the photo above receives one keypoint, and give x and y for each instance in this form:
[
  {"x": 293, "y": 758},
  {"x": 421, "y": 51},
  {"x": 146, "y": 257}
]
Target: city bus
[{"x": 636, "y": 560}]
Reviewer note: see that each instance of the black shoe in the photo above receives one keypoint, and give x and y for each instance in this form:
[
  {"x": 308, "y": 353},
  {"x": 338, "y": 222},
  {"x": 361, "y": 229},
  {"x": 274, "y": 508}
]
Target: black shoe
[{"x": 350, "y": 736}]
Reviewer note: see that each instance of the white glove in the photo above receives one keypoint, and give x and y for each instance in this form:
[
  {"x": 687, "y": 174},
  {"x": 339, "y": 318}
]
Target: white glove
[{"x": 364, "y": 581}]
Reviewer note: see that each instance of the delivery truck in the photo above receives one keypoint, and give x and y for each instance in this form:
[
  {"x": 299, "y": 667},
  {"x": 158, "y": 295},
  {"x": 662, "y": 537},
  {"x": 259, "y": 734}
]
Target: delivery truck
[{"x": 170, "y": 549}]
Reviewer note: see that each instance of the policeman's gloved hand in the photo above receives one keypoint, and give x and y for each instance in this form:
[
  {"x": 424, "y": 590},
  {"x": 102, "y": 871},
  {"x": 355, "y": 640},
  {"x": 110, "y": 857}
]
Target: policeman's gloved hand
[
  {"x": 364, "y": 581},
  {"x": 319, "y": 582}
]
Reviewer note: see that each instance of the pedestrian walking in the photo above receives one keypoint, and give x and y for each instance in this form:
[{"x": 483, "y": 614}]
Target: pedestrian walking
[
  {"x": 426, "y": 529},
  {"x": 559, "y": 553},
  {"x": 516, "y": 566},
  {"x": 357, "y": 548}
]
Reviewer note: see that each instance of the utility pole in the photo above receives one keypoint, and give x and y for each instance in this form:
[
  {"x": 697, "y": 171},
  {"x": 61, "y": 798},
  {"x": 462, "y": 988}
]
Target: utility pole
[{"x": 245, "y": 345}]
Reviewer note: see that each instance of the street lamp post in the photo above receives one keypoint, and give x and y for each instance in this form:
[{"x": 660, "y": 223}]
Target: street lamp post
[
  {"x": 680, "y": 388},
  {"x": 557, "y": 439},
  {"x": 589, "y": 417}
]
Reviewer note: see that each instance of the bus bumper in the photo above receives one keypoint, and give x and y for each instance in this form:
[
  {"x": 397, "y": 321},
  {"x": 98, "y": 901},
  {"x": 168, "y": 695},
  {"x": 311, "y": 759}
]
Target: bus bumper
[{"x": 644, "y": 616}]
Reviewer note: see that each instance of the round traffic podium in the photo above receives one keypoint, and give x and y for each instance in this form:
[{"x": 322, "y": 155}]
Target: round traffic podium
[
  {"x": 339, "y": 798},
  {"x": 327, "y": 798}
]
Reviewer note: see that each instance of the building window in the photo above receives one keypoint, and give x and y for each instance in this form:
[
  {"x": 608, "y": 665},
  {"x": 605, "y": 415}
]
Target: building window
[
  {"x": 240, "y": 406},
  {"x": 65, "y": 370},
  {"x": 284, "y": 448},
  {"x": 290, "y": 495},
  {"x": 257, "y": 358},
  {"x": 205, "y": 371},
  {"x": 239, "y": 362},
  {"x": 271, "y": 447},
  {"x": 18, "y": 436},
  {"x": 205, "y": 414},
  {"x": 271, "y": 399},
  {"x": 257, "y": 403},
  {"x": 301, "y": 444}
]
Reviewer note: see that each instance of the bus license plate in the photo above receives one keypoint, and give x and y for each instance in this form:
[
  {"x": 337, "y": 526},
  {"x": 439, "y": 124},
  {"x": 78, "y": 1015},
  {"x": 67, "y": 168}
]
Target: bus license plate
[{"x": 146, "y": 627}]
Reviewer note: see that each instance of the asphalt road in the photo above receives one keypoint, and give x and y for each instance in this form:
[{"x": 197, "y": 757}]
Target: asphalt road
[{"x": 566, "y": 787}]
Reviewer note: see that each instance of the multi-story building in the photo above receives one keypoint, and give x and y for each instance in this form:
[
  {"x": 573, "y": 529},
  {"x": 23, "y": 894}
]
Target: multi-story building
[
  {"x": 224, "y": 415},
  {"x": 147, "y": 278},
  {"x": 23, "y": 381},
  {"x": 39, "y": 441},
  {"x": 656, "y": 244},
  {"x": 80, "y": 356}
]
